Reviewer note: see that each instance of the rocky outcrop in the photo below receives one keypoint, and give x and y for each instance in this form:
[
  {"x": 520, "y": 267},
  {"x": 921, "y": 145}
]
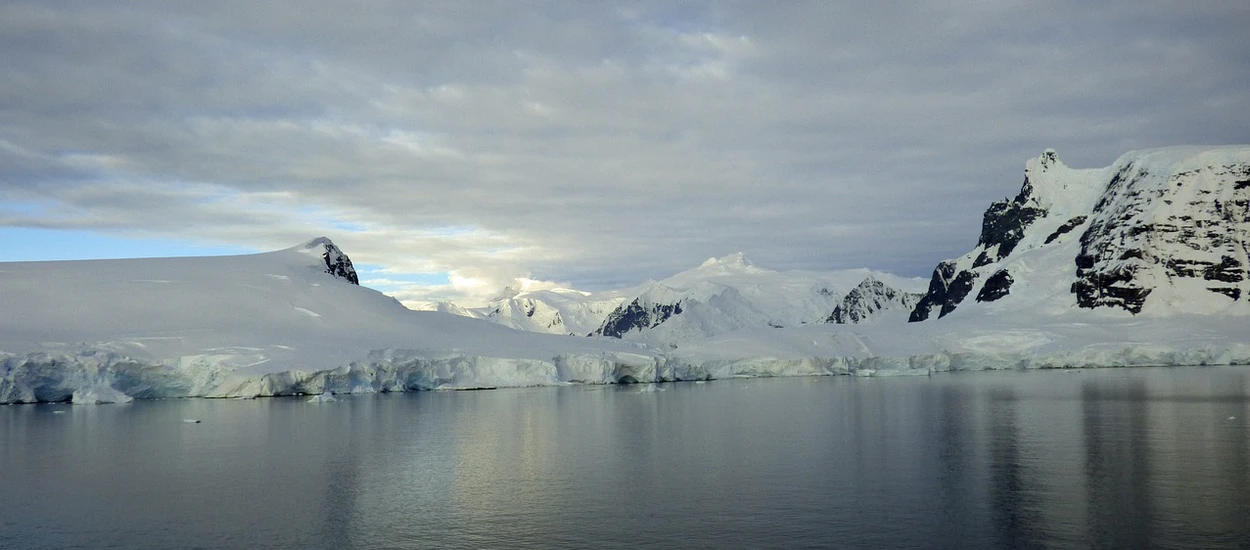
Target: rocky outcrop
[
  {"x": 946, "y": 290},
  {"x": 868, "y": 299},
  {"x": 1003, "y": 227},
  {"x": 1151, "y": 228},
  {"x": 1169, "y": 227},
  {"x": 995, "y": 287},
  {"x": 1004, "y": 223},
  {"x": 636, "y": 316},
  {"x": 1066, "y": 228},
  {"x": 337, "y": 263}
]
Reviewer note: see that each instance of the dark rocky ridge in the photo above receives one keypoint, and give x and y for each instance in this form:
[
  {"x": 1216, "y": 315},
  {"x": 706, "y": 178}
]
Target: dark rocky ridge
[
  {"x": 1066, "y": 228},
  {"x": 868, "y": 298},
  {"x": 337, "y": 263},
  {"x": 946, "y": 290},
  {"x": 636, "y": 317},
  {"x": 996, "y": 286},
  {"x": 1003, "y": 225},
  {"x": 1201, "y": 231}
]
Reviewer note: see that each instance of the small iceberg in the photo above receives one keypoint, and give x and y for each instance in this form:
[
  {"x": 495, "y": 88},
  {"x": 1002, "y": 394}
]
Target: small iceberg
[
  {"x": 323, "y": 398},
  {"x": 97, "y": 395}
]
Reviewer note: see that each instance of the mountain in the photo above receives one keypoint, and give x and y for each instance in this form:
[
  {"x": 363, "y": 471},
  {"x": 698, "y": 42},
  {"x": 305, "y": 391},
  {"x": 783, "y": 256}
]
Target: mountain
[
  {"x": 284, "y": 322},
  {"x": 553, "y": 311},
  {"x": 719, "y": 295},
  {"x": 872, "y": 300},
  {"x": 1158, "y": 232},
  {"x": 1139, "y": 263},
  {"x": 729, "y": 293}
]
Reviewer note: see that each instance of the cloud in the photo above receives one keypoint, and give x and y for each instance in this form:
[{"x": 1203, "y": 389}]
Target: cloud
[{"x": 592, "y": 144}]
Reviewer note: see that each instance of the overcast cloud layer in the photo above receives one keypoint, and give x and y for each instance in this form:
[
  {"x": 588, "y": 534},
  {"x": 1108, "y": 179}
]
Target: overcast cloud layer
[{"x": 591, "y": 143}]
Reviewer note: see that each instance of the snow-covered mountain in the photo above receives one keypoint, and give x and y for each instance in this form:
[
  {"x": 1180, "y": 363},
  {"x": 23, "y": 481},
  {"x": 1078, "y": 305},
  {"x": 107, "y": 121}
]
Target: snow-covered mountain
[
  {"x": 553, "y": 311},
  {"x": 729, "y": 293},
  {"x": 874, "y": 301},
  {"x": 720, "y": 295},
  {"x": 1140, "y": 263},
  {"x": 1159, "y": 232},
  {"x": 281, "y": 322}
]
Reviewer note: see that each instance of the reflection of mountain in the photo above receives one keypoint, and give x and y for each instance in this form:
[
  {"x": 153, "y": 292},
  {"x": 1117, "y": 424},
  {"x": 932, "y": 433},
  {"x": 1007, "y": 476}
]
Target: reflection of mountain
[
  {"x": 1117, "y": 462},
  {"x": 341, "y": 489},
  {"x": 1014, "y": 494}
]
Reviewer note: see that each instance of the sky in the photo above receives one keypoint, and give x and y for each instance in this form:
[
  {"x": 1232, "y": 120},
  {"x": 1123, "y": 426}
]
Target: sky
[{"x": 454, "y": 148}]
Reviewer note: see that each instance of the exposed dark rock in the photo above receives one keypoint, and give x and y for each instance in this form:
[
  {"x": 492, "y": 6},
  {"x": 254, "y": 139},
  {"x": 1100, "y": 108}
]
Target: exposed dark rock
[
  {"x": 1183, "y": 240},
  {"x": 982, "y": 259},
  {"x": 338, "y": 264},
  {"x": 1231, "y": 292},
  {"x": 946, "y": 290},
  {"x": 996, "y": 286},
  {"x": 942, "y": 275},
  {"x": 1004, "y": 223},
  {"x": 869, "y": 297},
  {"x": 1067, "y": 227},
  {"x": 957, "y": 291},
  {"x": 1111, "y": 289},
  {"x": 1229, "y": 270},
  {"x": 634, "y": 316}
]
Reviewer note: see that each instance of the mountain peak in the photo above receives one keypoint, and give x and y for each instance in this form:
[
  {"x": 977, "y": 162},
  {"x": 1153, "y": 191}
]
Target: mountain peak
[
  {"x": 737, "y": 259},
  {"x": 336, "y": 262},
  {"x": 319, "y": 241},
  {"x": 1044, "y": 162}
]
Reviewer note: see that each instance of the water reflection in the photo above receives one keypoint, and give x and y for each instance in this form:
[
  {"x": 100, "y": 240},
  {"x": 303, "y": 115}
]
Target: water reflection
[
  {"x": 1117, "y": 462},
  {"x": 959, "y": 485},
  {"x": 1013, "y": 494},
  {"x": 1135, "y": 458}
]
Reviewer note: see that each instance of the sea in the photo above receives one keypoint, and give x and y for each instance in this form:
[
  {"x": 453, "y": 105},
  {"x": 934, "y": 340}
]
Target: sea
[{"x": 1117, "y": 457}]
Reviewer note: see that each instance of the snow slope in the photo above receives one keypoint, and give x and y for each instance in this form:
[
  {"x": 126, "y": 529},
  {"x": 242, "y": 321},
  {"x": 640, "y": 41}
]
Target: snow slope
[
  {"x": 252, "y": 325},
  {"x": 873, "y": 301},
  {"x": 1140, "y": 263},
  {"x": 721, "y": 294},
  {"x": 1158, "y": 233},
  {"x": 729, "y": 293},
  {"x": 554, "y": 311}
]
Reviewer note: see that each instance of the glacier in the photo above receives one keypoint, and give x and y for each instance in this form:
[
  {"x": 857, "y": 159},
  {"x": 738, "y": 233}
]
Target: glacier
[{"x": 1142, "y": 263}]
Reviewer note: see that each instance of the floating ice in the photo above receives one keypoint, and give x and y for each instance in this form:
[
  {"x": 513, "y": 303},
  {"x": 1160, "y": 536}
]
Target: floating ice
[{"x": 96, "y": 395}]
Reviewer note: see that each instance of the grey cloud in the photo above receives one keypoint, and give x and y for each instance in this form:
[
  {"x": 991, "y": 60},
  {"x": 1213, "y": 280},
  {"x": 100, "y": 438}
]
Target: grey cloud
[{"x": 594, "y": 143}]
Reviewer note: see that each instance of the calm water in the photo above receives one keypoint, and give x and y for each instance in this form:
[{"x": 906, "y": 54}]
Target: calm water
[{"x": 1118, "y": 458}]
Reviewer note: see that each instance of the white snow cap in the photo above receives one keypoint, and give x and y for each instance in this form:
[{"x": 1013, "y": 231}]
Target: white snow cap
[
  {"x": 737, "y": 259},
  {"x": 318, "y": 242},
  {"x": 1044, "y": 162},
  {"x": 1049, "y": 157}
]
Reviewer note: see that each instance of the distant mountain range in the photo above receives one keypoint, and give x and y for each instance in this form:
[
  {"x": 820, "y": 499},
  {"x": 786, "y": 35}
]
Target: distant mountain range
[
  {"x": 1140, "y": 263},
  {"x": 720, "y": 295}
]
